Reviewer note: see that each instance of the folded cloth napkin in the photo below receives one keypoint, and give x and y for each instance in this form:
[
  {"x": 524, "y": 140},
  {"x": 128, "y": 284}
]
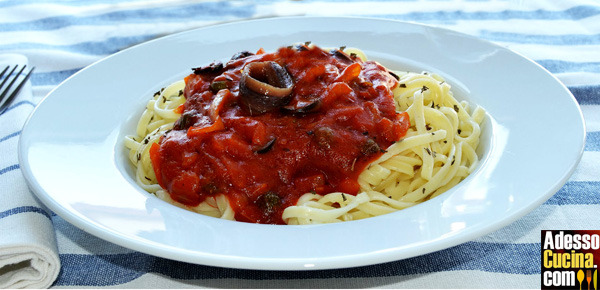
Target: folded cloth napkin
[{"x": 28, "y": 251}]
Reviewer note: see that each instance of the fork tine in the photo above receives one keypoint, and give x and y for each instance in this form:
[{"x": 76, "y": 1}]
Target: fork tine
[
  {"x": 15, "y": 77},
  {"x": 4, "y": 105},
  {"x": 5, "y": 69},
  {"x": 6, "y": 79}
]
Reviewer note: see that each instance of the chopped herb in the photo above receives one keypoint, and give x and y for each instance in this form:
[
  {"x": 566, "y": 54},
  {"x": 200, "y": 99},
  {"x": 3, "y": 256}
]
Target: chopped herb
[
  {"x": 423, "y": 189},
  {"x": 424, "y": 88},
  {"x": 344, "y": 196},
  {"x": 427, "y": 150},
  {"x": 458, "y": 131},
  {"x": 139, "y": 156},
  {"x": 342, "y": 47},
  {"x": 456, "y": 108},
  {"x": 147, "y": 178},
  {"x": 427, "y": 127},
  {"x": 217, "y": 86},
  {"x": 146, "y": 141},
  {"x": 445, "y": 141},
  {"x": 402, "y": 85},
  {"x": 432, "y": 104},
  {"x": 353, "y": 55}
]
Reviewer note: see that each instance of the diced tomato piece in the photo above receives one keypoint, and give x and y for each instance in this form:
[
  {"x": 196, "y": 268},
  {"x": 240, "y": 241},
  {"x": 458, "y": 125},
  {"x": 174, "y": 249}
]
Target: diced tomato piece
[
  {"x": 218, "y": 125},
  {"x": 349, "y": 186},
  {"x": 179, "y": 109},
  {"x": 184, "y": 188},
  {"x": 155, "y": 159},
  {"x": 350, "y": 73}
]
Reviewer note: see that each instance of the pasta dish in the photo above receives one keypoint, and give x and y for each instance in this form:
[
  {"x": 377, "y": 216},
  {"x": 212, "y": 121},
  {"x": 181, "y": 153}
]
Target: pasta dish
[{"x": 303, "y": 135}]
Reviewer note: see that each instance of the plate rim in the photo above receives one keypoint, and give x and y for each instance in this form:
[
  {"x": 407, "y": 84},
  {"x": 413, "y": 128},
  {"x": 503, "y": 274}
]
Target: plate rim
[{"x": 276, "y": 264}]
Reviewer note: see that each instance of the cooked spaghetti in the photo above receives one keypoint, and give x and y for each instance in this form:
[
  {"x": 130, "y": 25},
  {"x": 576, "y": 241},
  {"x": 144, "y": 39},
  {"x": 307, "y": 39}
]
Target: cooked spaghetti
[{"x": 393, "y": 168}]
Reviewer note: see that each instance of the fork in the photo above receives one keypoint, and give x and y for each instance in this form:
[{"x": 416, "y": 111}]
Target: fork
[{"x": 6, "y": 95}]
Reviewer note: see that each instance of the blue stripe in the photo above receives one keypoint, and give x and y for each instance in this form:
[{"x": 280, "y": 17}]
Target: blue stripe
[
  {"x": 592, "y": 141},
  {"x": 577, "y": 192},
  {"x": 10, "y": 136},
  {"x": 24, "y": 209},
  {"x": 16, "y": 105},
  {"x": 10, "y": 3},
  {"x": 117, "y": 269},
  {"x": 216, "y": 11},
  {"x": 451, "y": 16},
  {"x": 563, "y": 39},
  {"x": 9, "y": 168},
  {"x": 51, "y": 78},
  {"x": 104, "y": 47},
  {"x": 586, "y": 95},
  {"x": 559, "y": 66}
]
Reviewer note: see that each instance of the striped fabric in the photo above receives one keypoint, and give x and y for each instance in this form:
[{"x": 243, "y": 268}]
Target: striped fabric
[{"x": 563, "y": 36}]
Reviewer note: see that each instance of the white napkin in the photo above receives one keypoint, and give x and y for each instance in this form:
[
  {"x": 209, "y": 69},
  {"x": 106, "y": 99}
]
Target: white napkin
[{"x": 28, "y": 251}]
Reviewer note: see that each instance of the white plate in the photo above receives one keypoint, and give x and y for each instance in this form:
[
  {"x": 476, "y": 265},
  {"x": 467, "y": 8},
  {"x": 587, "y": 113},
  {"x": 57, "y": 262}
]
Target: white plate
[{"x": 72, "y": 153}]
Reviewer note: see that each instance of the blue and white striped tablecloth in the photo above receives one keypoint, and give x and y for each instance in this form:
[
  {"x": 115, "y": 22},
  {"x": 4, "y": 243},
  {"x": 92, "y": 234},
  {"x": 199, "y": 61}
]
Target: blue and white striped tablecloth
[{"x": 62, "y": 37}]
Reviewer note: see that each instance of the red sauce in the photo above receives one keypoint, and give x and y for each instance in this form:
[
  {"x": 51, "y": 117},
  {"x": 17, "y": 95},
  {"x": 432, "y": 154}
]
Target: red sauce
[{"x": 263, "y": 163}]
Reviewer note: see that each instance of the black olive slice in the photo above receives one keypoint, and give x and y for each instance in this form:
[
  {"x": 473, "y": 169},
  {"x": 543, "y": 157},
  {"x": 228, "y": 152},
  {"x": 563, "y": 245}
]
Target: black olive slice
[
  {"x": 212, "y": 68},
  {"x": 267, "y": 147},
  {"x": 268, "y": 202},
  {"x": 344, "y": 57}
]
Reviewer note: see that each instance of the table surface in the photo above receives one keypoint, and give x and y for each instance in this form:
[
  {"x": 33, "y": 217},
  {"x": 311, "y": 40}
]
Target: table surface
[{"x": 562, "y": 36}]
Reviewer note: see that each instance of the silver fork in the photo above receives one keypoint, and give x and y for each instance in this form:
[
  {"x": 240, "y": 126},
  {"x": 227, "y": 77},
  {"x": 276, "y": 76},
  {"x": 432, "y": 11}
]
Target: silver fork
[{"x": 6, "y": 94}]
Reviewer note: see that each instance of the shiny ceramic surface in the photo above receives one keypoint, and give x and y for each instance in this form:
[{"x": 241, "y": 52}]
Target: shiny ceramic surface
[{"x": 72, "y": 154}]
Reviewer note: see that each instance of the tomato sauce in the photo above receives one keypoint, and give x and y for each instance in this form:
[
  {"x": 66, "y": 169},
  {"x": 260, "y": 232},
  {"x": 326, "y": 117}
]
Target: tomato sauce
[{"x": 264, "y": 162}]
